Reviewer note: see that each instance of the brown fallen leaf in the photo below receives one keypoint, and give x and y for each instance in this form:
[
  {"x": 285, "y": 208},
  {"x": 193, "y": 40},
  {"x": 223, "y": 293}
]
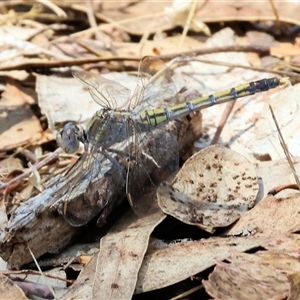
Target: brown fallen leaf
[
  {"x": 9, "y": 290},
  {"x": 60, "y": 109},
  {"x": 178, "y": 261},
  {"x": 213, "y": 189},
  {"x": 121, "y": 255},
  {"x": 262, "y": 275},
  {"x": 18, "y": 123},
  {"x": 294, "y": 291},
  {"x": 276, "y": 173},
  {"x": 265, "y": 139},
  {"x": 83, "y": 286},
  {"x": 270, "y": 217},
  {"x": 285, "y": 243},
  {"x": 33, "y": 289}
]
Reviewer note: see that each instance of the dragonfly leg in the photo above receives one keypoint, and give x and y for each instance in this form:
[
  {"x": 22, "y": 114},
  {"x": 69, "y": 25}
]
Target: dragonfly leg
[
  {"x": 113, "y": 161},
  {"x": 122, "y": 153}
]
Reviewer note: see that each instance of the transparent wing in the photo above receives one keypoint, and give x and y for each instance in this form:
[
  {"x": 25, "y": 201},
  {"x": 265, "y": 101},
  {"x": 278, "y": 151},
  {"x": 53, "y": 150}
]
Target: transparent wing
[
  {"x": 154, "y": 156},
  {"x": 154, "y": 84},
  {"x": 105, "y": 92},
  {"x": 89, "y": 184},
  {"x": 77, "y": 209}
]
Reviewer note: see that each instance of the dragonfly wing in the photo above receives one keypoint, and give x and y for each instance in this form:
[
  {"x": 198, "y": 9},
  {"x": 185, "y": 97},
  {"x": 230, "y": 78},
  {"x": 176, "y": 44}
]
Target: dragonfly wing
[
  {"x": 155, "y": 84},
  {"x": 105, "y": 92},
  {"x": 89, "y": 183},
  {"x": 77, "y": 209},
  {"x": 154, "y": 156}
]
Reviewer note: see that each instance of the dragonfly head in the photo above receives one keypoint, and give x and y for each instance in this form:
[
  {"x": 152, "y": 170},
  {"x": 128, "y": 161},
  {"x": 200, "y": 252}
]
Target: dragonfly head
[{"x": 69, "y": 137}]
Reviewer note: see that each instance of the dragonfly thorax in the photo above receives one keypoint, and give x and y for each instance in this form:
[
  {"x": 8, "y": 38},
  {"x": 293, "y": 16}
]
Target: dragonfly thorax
[{"x": 108, "y": 127}]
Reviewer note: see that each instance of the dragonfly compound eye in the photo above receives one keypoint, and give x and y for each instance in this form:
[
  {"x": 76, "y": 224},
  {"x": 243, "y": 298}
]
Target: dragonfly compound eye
[{"x": 68, "y": 138}]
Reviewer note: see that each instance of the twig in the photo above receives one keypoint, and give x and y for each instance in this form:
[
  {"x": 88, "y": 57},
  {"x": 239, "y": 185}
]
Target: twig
[
  {"x": 187, "y": 293},
  {"x": 33, "y": 272},
  {"x": 285, "y": 148},
  {"x": 275, "y": 13},
  {"x": 54, "y": 8},
  {"x": 41, "y": 273},
  {"x": 38, "y": 63},
  {"x": 90, "y": 14},
  {"x": 222, "y": 122},
  {"x": 32, "y": 168}
]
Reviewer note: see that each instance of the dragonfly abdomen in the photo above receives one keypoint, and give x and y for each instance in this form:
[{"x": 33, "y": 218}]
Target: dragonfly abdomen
[{"x": 157, "y": 116}]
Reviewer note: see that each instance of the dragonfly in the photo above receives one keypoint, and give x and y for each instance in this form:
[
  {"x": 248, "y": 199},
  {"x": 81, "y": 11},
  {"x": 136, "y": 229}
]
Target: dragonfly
[{"x": 127, "y": 119}]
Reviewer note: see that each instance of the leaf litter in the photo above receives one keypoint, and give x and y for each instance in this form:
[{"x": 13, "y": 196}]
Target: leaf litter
[
  {"x": 30, "y": 44},
  {"x": 213, "y": 189}
]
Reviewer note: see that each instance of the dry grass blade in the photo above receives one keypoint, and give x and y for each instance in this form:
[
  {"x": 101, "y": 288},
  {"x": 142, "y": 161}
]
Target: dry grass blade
[
  {"x": 188, "y": 22},
  {"x": 41, "y": 272},
  {"x": 285, "y": 149}
]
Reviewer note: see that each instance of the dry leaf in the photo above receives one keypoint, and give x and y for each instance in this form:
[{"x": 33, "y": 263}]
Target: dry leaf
[
  {"x": 60, "y": 109},
  {"x": 82, "y": 288},
  {"x": 179, "y": 12},
  {"x": 270, "y": 217},
  {"x": 213, "y": 189},
  {"x": 265, "y": 139},
  {"x": 179, "y": 261},
  {"x": 294, "y": 291},
  {"x": 18, "y": 123},
  {"x": 121, "y": 255},
  {"x": 9, "y": 290},
  {"x": 289, "y": 243},
  {"x": 274, "y": 173},
  {"x": 262, "y": 275},
  {"x": 10, "y": 164}
]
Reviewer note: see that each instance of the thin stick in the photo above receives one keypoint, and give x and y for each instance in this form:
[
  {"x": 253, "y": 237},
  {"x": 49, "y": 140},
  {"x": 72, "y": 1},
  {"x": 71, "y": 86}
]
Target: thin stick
[
  {"x": 42, "y": 274},
  {"x": 187, "y": 293},
  {"x": 222, "y": 122},
  {"x": 188, "y": 23},
  {"x": 32, "y": 168},
  {"x": 285, "y": 148}
]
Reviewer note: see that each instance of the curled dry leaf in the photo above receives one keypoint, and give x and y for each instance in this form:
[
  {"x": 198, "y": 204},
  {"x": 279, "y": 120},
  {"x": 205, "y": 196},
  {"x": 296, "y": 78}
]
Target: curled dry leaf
[
  {"x": 213, "y": 189},
  {"x": 9, "y": 290},
  {"x": 179, "y": 12},
  {"x": 262, "y": 275},
  {"x": 270, "y": 217}
]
